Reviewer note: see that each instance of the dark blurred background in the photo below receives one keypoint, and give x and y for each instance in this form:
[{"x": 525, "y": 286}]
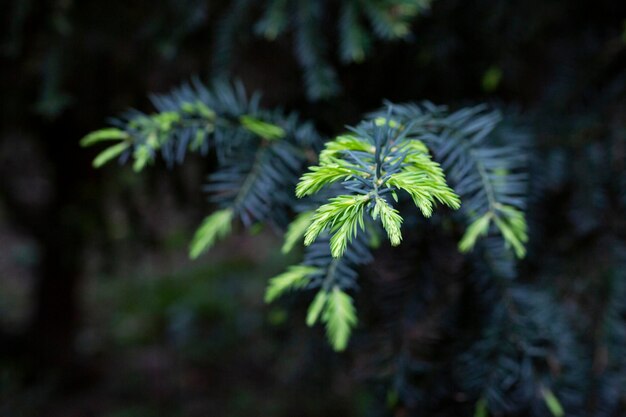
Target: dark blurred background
[{"x": 101, "y": 312}]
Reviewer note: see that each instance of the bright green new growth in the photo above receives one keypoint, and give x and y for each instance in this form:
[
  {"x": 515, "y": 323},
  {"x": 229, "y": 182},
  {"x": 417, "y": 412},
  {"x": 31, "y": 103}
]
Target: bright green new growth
[
  {"x": 157, "y": 128},
  {"x": 103, "y": 135},
  {"x": 337, "y": 311},
  {"x": 390, "y": 219},
  {"x": 295, "y": 230},
  {"x": 354, "y": 158},
  {"x": 320, "y": 176},
  {"x": 342, "y": 215},
  {"x": 294, "y": 278},
  {"x": 489, "y": 182},
  {"x": 108, "y": 134},
  {"x": 382, "y": 121},
  {"x": 316, "y": 307},
  {"x": 424, "y": 190},
  {"x": 262, "y": 129},
  {"x": 109, "y": 153},
  {"x": 148, "y": 133},
  {"x": 371, "y": 168},
  {"x": 216, "y": 226},
  {"x": 340, "y": 318},
  {"x": 477, "y": 228},
  {"x": 552, "y": 402},
  {"x": 509, "y": 221},
  {"x": 365, "y": 170},
  {"x": 341, "y": 144}
]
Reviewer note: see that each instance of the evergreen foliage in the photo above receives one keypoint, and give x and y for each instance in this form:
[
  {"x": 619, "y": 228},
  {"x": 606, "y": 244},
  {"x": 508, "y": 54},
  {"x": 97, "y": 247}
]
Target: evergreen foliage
[
  {"x": 363, "y": 174},
  {"x": 502, "y": 288},
  {"x": 488, "y": 176},
  {"x": 359, "y": 23},
  {"x": 260, "y": 153},
  {"x": 517, "y": 352}
]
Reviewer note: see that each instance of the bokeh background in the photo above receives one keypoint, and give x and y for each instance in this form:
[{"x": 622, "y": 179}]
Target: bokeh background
[{"x": 102, "y": 313}]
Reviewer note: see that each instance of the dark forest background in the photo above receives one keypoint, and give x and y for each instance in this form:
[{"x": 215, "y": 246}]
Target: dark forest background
[{"x": 101, "y": 312}]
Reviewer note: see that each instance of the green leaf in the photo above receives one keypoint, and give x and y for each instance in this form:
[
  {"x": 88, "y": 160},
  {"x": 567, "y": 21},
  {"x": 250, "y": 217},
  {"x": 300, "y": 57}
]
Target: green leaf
[
  {"x": 419, "y": 160},
  {"x": 316, "y": 307},
  {"x": 340, "y": 144},
  {"x": 340, "y": 317},
  {"x": 199, "y": 138},
  {"x": 166, "y": 119},
  {"x": 263, "y": 129},
  {"x": 294, "y": 278},
  {"x": 420, "y": 150},
  {"x": 103, "y": 135},
  {"x": 205, "y": 111},
  {"x": 295, "y": 230},
  {"x": 479, "y": 227},
  {"x": 214, "y": 227},
  {"x": 390, "y": 218},
  {"x": 552, "y": 402},
  {"x": 512, "y": 225},
  {"x": 320, "y": 176},
  {"x": 142, "y": 156},
  {"x": 342, "y": 215},
  {"x": 424, "y": 190},
  {"x": 110, "y": 153}
]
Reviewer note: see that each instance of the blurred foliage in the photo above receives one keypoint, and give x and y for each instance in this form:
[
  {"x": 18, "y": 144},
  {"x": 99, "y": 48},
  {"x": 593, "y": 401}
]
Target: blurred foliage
[
  {"x": 357, "y": 23},
  {"x": 181, "y": 343},
  {"x": 104, "y": 327}
]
